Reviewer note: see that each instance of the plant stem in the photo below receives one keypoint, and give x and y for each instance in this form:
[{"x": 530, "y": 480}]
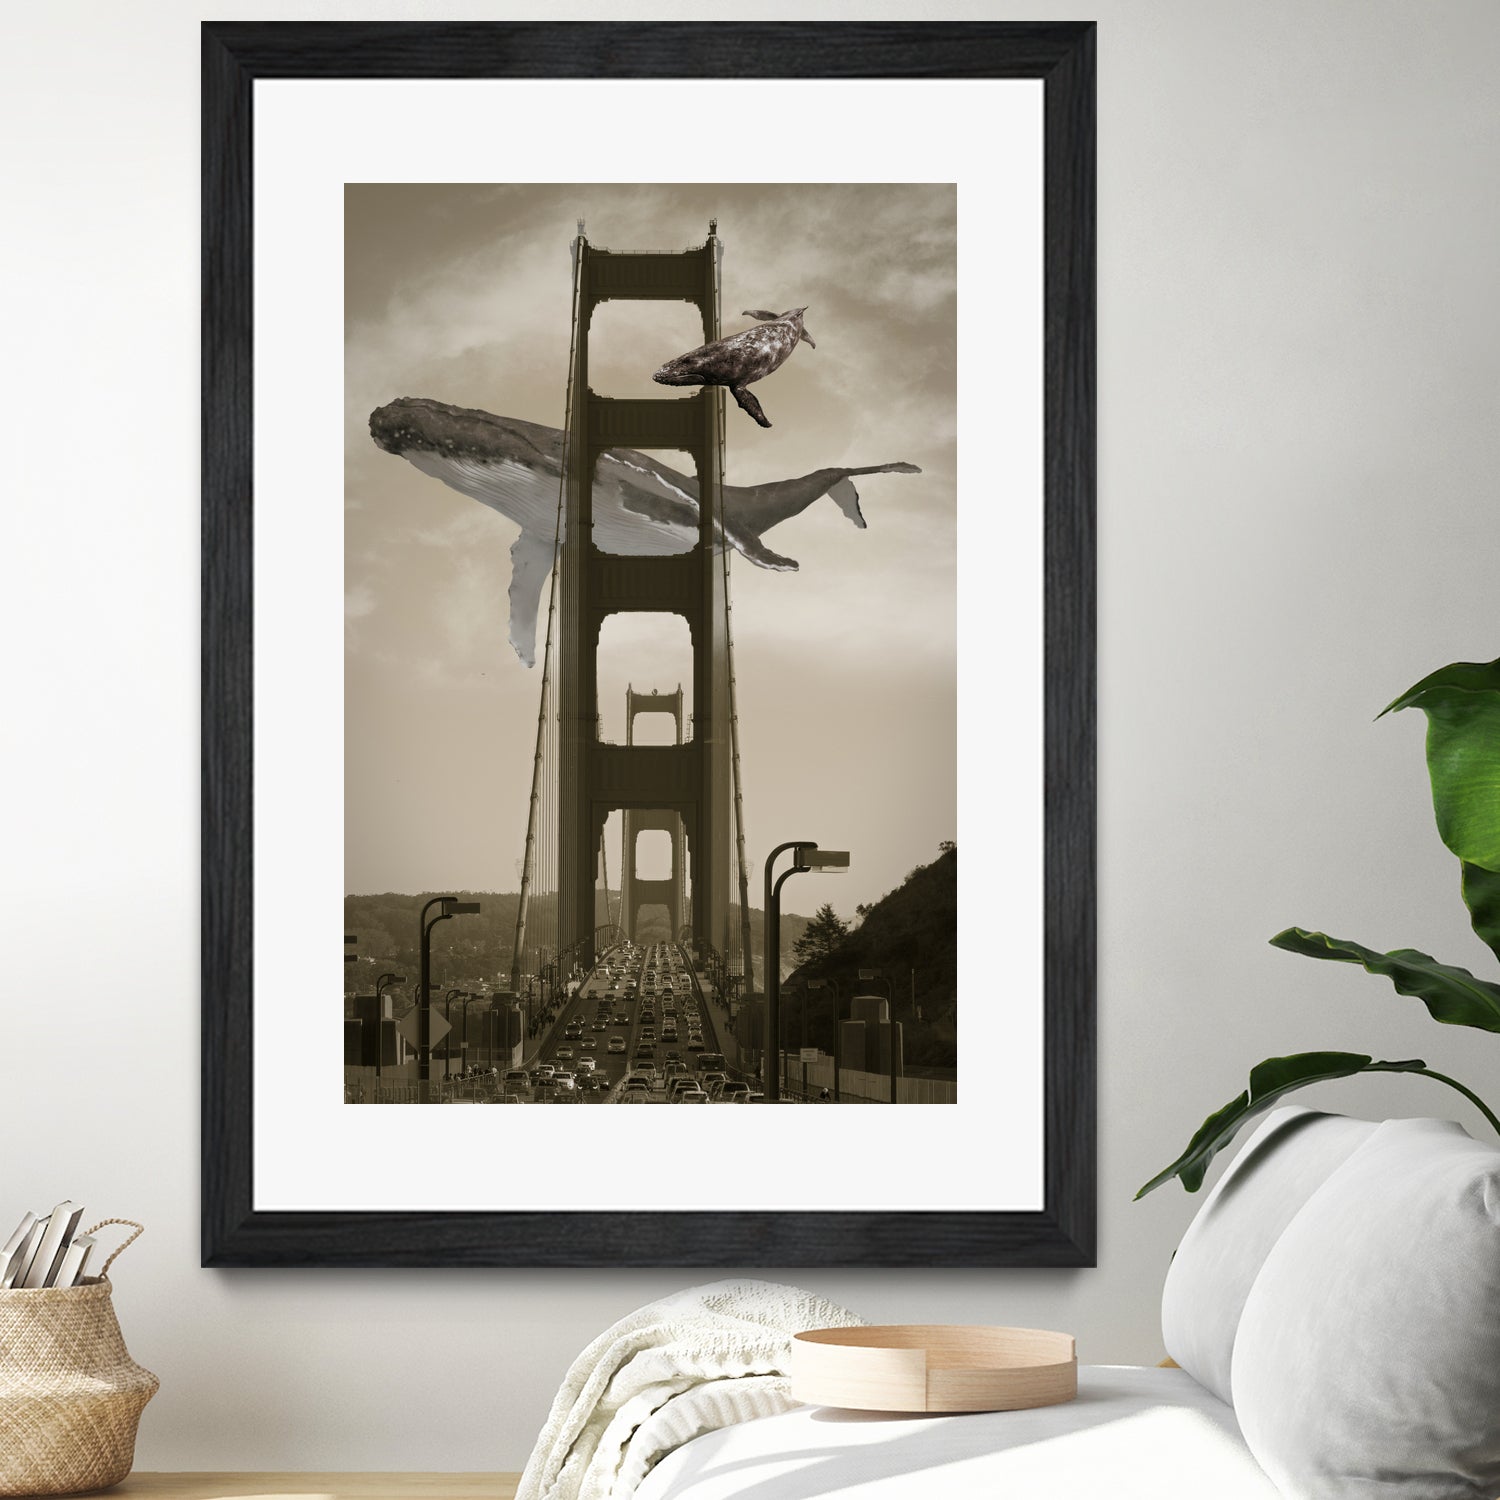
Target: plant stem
[{"x": 1453, "y": 1083}]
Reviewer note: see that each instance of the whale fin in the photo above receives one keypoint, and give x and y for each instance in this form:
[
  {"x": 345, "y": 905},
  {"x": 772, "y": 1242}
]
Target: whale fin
[
  {"x": 765, "y": 317},
  {"x": 754, "y": 550},
  {"x": 662, "y": 496},
  {"x": 748, "y": 403},
  {"x": 530, "y": 563},
  {"x": 846, "y": 497}
]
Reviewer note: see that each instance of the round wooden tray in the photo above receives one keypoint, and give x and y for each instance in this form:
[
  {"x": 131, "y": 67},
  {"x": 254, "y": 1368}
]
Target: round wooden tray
[{"x": 934, "y": 1367}]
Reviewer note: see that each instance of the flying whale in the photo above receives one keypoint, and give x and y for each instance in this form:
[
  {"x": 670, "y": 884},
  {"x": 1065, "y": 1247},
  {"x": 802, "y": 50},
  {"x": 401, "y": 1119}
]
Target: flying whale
[
  {"x": 642, "y": 508},
  {"x": 742, "y": 358}
]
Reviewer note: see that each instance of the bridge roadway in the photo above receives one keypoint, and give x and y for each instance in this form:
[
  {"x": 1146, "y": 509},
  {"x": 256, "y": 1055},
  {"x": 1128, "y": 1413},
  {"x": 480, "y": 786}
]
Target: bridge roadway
[{"x": 618, "y": 984}]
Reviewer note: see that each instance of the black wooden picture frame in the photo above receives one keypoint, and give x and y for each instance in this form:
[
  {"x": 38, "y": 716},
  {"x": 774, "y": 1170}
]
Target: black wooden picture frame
[{"x": 234, "y": 56}]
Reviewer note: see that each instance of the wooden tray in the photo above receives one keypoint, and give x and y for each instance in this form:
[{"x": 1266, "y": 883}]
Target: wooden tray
[{"x": 934, "y": 1367}]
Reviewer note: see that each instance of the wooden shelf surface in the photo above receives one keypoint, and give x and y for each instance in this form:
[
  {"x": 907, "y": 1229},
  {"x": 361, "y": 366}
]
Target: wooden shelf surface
[{"x": 305, "y": 1486}]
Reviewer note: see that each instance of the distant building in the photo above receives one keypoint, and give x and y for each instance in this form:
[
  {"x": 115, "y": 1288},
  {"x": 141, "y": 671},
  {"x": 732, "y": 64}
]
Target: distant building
[
  {"x": 359, "y": 1035},
  {"x": 868, "y": 1038}
]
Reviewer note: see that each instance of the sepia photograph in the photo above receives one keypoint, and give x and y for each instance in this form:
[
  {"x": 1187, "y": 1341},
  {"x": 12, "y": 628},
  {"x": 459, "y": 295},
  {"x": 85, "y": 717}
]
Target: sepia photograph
[{"x": 650, "y": 643}]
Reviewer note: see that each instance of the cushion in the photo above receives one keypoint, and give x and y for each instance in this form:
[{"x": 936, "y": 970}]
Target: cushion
[
  {"x": 1287, "y": 1159},
  {"x": 1368, "y": 1356},
  {"x": 1132, "y": 1434}
]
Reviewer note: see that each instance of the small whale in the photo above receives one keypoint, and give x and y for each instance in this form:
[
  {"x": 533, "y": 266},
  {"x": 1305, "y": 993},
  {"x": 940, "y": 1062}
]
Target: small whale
[
  {"x": 641, "y": 507},
  {"x": 741, "y": 359}
]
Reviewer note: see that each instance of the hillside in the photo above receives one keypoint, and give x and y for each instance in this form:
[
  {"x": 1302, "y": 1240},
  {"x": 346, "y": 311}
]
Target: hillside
[{"x": 911, "y": 937}]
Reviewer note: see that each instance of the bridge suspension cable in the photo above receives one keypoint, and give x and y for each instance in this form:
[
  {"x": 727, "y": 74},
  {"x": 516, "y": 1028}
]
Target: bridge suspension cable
[
  {"x": 536, "y": 938},
  {"x": 737, "y": 940}
]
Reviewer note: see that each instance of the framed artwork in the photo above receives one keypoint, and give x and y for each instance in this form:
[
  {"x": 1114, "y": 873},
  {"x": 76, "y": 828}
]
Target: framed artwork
[{"x": 648, "y": 472}]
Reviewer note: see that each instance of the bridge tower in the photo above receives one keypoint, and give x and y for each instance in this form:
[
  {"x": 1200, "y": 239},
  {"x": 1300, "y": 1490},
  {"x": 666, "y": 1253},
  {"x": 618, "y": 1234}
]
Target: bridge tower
[
  {"x": 690, "y": 779},
  {"x": 635, "y": 892}
]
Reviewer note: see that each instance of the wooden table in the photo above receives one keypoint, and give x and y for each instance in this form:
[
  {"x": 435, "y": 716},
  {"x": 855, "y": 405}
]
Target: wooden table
[{"x": 303, "y": 1486}]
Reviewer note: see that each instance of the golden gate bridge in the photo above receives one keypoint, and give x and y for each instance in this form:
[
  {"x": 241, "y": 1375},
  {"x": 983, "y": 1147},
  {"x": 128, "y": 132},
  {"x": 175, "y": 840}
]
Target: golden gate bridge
[{"x": 691, "y": 788}]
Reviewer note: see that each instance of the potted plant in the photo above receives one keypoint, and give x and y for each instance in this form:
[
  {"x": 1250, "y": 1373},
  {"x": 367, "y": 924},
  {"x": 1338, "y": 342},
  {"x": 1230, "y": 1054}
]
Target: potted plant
[{"x": 1462, "y": 704}]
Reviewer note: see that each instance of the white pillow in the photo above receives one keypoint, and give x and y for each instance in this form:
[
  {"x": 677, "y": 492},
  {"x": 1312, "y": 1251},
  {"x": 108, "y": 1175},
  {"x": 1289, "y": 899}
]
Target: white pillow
[
  {"x": 1368, "y": 1358},
  {"x": 1288, "y": 1158}
]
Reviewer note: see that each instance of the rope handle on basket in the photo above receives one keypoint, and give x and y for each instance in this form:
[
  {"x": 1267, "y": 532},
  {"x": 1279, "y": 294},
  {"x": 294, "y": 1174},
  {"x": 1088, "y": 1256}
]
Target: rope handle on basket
[{"x": 140, "y": 1229}]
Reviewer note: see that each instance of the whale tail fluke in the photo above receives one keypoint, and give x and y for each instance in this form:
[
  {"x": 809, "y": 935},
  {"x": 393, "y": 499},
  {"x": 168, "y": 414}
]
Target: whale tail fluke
[{"x": 846, "y": 497}]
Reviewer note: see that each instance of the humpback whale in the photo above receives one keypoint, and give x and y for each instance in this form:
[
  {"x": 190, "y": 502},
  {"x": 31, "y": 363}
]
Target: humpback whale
[
  {"x": 642, "y": 508},
  {"x": 741, "y": 359}
]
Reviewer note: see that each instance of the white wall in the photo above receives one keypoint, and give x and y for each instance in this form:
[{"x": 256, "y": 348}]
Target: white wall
[{"x": 1299, "y": 322}]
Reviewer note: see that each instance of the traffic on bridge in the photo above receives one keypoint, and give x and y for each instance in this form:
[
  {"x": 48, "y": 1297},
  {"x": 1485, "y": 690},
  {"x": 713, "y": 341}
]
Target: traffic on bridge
[{"x": 638, "y": 1030}]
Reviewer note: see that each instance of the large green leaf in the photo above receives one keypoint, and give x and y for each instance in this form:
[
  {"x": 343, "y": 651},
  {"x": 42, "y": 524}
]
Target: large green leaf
[
  {"x": 1451, "y": 994},
  {"x": 1481, "y": 889},
  {"x": 1269, "y": 1082},
  {"x": 1462, "y": 704}
]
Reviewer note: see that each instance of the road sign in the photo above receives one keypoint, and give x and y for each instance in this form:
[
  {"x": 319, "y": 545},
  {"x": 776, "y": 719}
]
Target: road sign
[
  {"x": 411, "y": 1027},
  {"x": 809, "y": 1054}
]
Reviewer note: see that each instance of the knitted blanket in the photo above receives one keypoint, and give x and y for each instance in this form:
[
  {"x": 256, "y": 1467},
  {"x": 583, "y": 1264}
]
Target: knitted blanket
[{"x": 691, "y": 1363}]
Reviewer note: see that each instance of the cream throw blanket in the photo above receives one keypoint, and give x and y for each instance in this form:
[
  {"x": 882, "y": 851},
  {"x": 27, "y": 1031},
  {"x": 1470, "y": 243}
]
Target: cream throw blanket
[{"x": 693, "y": 1362}]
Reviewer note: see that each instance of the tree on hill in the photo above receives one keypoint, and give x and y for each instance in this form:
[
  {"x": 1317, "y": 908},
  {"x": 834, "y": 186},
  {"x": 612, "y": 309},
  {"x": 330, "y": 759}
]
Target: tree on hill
[{"x": 822, "y": 936}]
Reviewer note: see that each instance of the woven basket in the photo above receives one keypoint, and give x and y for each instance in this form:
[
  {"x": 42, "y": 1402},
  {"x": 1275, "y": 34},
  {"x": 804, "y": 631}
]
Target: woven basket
[{"x": 70, "y": 1394}]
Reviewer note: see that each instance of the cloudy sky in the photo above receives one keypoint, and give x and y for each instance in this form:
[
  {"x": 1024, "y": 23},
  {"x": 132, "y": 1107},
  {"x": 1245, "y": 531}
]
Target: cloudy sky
[{"x": 846, "y": 669}]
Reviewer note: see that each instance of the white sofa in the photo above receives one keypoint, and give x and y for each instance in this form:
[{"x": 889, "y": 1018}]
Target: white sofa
[{"x": 1335, "y": 1312}]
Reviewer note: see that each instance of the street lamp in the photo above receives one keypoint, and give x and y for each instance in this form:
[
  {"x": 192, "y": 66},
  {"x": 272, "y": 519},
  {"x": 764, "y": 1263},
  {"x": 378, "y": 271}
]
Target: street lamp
[
  {"x": 466, "y": 999},
  {"x": 806, "y": 856},
  {"x": 380, "y": 985},
  {"x": 832, "y": 984},
  {"x": 448, "y": 1000},
  {"x": 448, "y": 906}
]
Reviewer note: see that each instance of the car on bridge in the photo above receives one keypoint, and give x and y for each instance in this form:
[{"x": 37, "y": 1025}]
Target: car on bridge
[
  {"x": 617, "y": 1044},
  {"x": 691, "y": 1096}
]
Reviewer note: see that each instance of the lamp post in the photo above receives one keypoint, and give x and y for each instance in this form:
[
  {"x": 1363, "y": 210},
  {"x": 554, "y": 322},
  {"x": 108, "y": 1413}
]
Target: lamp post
[
  {"x": 448, "y": 906},
  {"x": 832, "y": 984},
  {"x": 466, "y": 1000},
  {"x": 380, "y": 985},
  {"x": 448, "y": 1000},
  {"x": 806, "y": 856}
]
